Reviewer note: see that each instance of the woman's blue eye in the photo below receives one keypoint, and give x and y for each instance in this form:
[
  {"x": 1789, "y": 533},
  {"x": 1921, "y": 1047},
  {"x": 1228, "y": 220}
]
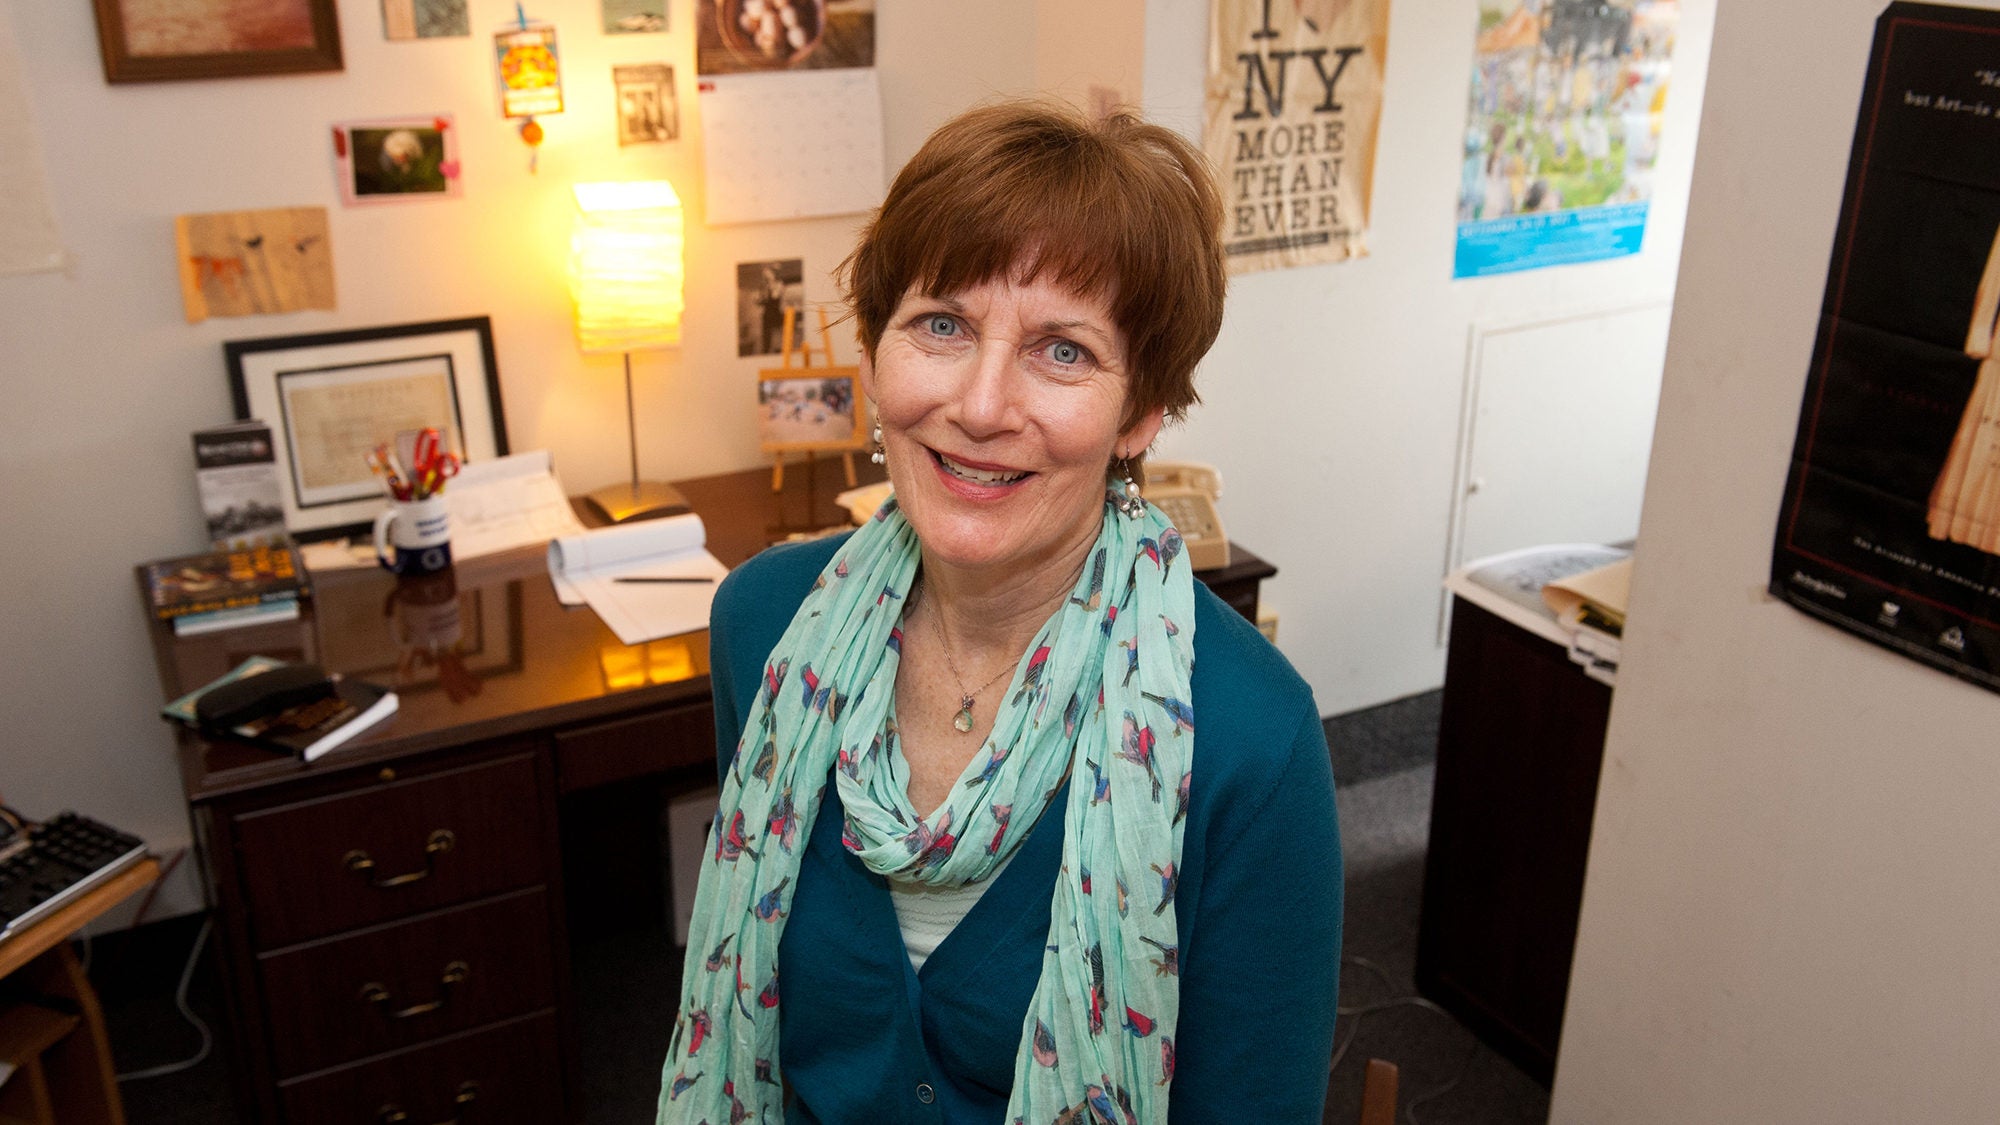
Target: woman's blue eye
[
  {"x": 1062, "y": 351},
  {"x": 941, "y": 325}
]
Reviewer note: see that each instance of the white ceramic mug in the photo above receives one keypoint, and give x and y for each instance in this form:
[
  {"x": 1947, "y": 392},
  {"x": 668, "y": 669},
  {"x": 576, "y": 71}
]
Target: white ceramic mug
[{"x": 420, "y": 531}]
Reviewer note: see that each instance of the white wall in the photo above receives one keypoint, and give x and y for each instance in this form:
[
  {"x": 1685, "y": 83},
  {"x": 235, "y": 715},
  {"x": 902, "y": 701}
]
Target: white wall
[
  {"x": 1332, "y": 400},
  {"x": 1790, "y": 909},
  {"x": 102, "y": 378}
]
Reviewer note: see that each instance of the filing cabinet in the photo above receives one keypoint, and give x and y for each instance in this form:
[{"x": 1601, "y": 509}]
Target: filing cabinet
[{"x": 392, "y": 941}]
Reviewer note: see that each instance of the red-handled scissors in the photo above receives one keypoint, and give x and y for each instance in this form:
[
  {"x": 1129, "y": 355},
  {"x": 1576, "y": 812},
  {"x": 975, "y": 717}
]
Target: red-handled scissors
[{"x": 432, "y": 465}]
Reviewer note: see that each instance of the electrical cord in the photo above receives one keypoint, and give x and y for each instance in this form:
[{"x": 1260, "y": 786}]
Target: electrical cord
[
  {"x": 152, "y": 892},
  {"x": 187, "y": 1013},
  {"x": 1357, "y": 1011},
  {"x": 138, "y": 916}
]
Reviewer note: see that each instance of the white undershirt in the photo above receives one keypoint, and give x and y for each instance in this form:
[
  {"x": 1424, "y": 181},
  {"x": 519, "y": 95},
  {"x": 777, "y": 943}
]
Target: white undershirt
[{"x": 926, "y": 913}]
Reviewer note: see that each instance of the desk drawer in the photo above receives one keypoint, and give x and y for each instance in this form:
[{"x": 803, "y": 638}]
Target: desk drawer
[
  {"x": 653, "y": 743},
  {"x": 499, "y": 1076},
  {"x": 321, "y": 866},
  {"x": 398, "y": 985}
]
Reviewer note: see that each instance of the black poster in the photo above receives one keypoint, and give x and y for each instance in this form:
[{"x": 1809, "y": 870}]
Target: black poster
[{"x": 1890, "y": 526}]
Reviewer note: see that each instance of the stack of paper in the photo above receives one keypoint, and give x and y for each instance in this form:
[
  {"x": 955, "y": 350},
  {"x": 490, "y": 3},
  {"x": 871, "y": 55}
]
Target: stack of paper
[
  {"x": 1570, "y": 593},
  {"x": 650, "y": 579},
  {"x": 1591, "y": 605},
  {"x": 1510, "y": 585}
]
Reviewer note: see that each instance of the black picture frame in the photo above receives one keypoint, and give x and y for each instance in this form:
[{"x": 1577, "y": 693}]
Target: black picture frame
[{"x": 349, "y": 390}]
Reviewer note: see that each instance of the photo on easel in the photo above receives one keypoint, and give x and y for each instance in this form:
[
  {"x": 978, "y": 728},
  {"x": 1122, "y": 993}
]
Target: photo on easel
[{"x": 808, "y": 408}]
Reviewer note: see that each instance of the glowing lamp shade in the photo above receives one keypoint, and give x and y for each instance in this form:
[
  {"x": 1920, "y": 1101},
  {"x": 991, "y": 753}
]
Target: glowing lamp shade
[
  {"x": 625, "y": 266},
  {"x": 625, "y": 278}
]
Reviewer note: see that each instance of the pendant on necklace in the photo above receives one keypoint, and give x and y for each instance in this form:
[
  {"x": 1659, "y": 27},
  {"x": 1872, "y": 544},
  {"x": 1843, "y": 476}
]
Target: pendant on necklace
[{"x": 963, "y": 720}]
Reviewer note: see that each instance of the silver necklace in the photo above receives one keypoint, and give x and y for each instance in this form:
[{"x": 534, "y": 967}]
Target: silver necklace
[{"x": 963, "y": 720}]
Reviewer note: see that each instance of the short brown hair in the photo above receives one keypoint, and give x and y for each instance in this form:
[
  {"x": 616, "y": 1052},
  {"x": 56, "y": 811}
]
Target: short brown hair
[{"x": 1113, "y": 207}]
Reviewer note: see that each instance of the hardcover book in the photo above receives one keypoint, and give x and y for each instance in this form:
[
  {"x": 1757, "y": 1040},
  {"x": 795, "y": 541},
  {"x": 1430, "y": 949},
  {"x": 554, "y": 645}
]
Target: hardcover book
[
  {"x": 236, "y": 472},
  {"x": 216, "y": 620},
  {"x": 223, "y": 580}
]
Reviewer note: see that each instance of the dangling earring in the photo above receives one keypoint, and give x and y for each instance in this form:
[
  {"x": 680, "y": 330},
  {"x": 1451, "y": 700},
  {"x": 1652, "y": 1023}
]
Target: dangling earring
[
  {"x": 880, "y": 454},
  {"x": 1134, "y": 505}
]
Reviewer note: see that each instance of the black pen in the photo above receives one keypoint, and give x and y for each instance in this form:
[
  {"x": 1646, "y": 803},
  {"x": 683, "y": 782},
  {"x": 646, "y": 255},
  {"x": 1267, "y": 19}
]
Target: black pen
[{"x": 660, "y": 578}]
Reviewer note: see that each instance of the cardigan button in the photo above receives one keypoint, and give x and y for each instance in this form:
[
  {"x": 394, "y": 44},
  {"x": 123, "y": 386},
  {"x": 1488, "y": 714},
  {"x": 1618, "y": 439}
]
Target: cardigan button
[{"x": 925, "y": 1094}]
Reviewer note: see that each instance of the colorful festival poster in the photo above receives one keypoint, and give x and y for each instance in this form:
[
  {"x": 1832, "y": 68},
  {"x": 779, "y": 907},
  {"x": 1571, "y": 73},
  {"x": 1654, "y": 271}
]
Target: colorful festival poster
[
  {"x": 1294, "y": 97},
  {"x": 1890, "y": 523},
  {"x": 1562, "y": 132},
  {"x": 530, "y": 76}
]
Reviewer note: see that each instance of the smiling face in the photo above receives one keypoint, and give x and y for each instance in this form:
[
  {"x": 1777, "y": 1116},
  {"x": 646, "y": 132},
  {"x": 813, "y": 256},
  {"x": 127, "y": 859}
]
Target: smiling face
[{"x": 1000, "y": 408}]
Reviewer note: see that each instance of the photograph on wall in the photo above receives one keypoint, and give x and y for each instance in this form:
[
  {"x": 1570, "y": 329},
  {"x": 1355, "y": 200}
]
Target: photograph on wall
[
  {"x": 1890, "y": 522},
  {"x": 635, "y": 17},
  {"x": 1562, "y": 131},
  {"x": 647, "y": 109},
  {"x": 530, "y": 73},
  {"x": 764, "y": 290},
  {"x": 799, "y": 408},
  {"x": 425, "y": 19},
  {"x": 244, "y": 263},
  {"x": 737, "y": 36},
  {"x": 1294, "y": 98},
  {"x": 396, "y": 159}
]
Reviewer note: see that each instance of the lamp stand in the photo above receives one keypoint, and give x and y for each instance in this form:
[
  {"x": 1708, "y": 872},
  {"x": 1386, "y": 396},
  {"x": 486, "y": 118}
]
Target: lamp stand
[{"x": 639, "y": 500}]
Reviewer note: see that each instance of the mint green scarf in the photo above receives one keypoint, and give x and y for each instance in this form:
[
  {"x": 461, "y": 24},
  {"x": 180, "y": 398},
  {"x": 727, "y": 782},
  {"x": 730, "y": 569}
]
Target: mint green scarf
[{"x": 1101, "y": 697}]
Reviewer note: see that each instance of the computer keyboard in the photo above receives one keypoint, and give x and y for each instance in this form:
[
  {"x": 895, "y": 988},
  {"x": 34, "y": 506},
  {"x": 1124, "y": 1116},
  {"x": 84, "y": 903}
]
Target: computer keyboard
[{"x": 57, "y": 861}]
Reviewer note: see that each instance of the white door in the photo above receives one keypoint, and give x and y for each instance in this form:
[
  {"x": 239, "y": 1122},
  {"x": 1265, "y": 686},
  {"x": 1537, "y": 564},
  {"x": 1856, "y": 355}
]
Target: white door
[{"x": 1559, "y": 426}]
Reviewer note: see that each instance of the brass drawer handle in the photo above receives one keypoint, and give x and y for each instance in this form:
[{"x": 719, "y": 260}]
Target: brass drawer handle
[
  {"x": 440, "y": 842},
  {"x": 392, "y": 1114},
  {"x": 376, "y": 993}
]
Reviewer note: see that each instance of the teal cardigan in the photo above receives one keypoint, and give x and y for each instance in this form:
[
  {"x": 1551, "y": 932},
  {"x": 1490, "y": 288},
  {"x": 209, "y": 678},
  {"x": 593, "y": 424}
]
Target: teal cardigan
[{"x": 863, "y": 1038}]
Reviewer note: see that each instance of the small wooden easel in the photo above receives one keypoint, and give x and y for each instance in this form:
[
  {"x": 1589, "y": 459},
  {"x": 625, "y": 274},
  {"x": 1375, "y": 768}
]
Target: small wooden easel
[{"x": 845, "y": 445}]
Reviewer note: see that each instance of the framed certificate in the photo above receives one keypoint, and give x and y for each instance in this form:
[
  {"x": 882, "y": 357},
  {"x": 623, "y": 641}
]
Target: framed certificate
[{"x": 332, "y": 397}]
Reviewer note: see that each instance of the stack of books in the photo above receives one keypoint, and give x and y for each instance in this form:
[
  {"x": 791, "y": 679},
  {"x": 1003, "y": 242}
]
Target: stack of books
[{"x": 226, "y": 589}]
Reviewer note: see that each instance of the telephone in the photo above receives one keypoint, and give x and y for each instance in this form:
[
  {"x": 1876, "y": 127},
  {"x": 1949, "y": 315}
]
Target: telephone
[{"x": 1186, "y": 491}]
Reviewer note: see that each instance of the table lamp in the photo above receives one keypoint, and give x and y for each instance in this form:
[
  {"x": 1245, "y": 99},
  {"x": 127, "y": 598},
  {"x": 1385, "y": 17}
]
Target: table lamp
[{"x": 625, "y": 276}]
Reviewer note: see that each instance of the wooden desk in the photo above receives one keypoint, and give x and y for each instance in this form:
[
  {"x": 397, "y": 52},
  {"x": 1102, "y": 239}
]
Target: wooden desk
[
  {"x": 391, "y": 919},
  {"x": 62, "y": 1057}
]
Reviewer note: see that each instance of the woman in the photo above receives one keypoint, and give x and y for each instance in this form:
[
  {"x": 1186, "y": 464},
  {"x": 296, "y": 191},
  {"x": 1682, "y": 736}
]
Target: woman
[{"x": 964, "y": 819}]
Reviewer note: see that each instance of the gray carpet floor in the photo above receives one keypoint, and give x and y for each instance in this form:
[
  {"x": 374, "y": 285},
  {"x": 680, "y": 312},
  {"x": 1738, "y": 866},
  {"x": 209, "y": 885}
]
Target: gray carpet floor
[
  {"x": 1383, "y": 762},
  {"x": 625, "y": 976}
]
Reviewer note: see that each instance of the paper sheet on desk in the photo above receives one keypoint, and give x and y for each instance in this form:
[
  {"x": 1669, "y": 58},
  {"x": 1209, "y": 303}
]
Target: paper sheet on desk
[
  {"x": 496, "y": 505},
  {"x": 585, "y": 568},
  {"x": 1606, "y": 588},
  {"x": 508, "y": 502}
]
